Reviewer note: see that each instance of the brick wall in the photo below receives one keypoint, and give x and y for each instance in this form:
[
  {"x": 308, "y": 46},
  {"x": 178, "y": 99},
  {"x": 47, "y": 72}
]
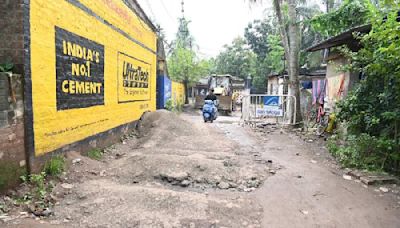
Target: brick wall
[
  {"x": 12, "y": 147},
  {"x": 12, "y": 155},
  {"x": 11, "y": 33}
]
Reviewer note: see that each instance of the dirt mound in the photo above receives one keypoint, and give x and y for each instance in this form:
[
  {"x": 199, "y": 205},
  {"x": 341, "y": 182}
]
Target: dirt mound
[{"x": 165, "y": 121}]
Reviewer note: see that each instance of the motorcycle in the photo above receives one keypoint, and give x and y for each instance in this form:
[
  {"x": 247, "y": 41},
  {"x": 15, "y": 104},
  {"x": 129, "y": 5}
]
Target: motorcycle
[{"x": 210, "y": 111}]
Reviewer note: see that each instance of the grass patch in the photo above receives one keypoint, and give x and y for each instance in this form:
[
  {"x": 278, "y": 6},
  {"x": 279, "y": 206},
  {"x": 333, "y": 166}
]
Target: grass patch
[
  {"x": 55, "y": 166},
  {"x": 95, "y": 154}
]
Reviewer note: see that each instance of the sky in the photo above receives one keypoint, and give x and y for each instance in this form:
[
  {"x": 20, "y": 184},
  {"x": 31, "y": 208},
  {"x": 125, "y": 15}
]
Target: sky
[{"x": 214, "y": 23}]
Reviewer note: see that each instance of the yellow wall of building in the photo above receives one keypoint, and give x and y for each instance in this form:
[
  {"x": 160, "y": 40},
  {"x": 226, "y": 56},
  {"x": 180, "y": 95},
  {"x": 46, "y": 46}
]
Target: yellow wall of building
[
  {"x": 85, "y": 72},
  {"x": 178, "y": 92}
]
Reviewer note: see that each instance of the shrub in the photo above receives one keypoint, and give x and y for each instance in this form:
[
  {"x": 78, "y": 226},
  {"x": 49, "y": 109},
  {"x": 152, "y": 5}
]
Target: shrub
[
  {"x": 365, "y": 152},
  {"x": 95, "y": 154},
  {"x": 169, "y": 105},
  {"x": 55, "y": 166},
  {"x": 372, "y": 110}
]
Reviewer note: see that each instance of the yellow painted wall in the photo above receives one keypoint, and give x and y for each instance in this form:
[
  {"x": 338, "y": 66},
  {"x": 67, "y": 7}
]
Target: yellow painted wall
[
  {"x": 178, "y": 92},
  {"x": 58, "y": 119}
]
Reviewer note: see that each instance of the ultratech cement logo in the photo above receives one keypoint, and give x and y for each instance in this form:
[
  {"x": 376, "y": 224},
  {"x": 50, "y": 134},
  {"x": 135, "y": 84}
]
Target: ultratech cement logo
[
  {"x": 134, "y": 76},
  {"x": 79, "y": 71},
  {"x": 133, "y": 79}
]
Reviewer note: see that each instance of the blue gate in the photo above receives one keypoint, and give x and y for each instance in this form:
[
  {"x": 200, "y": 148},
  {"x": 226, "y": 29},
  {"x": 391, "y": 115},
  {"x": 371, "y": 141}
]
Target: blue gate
[{"x": 163, "y": 91}]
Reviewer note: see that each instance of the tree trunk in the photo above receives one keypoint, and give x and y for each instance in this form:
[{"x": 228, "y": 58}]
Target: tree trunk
[
  {"x": 185, "y": 85},
  {"x": 282, "y": 29},
  {"x": 294, "y": 59},
  {"x": 291, "y": 43}
]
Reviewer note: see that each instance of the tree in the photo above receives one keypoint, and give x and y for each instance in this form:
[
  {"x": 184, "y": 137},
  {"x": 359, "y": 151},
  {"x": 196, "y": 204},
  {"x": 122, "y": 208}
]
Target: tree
[
  {"x": 350, "y": 14},
  {"x": 261, "y": 37},
  {"x": 261, "y": 52},
  {"x": 257, "y": 33},
  {"x": 236, "y": 59},
  {"x": 286, "y": 12},
  {"x": 184, "y": 65},
  {"x": 290, "y": 35}
]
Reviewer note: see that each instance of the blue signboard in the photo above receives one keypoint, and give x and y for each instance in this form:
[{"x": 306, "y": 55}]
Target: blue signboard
[
  {"x": 272, "y": 101},
  {"x": 271, "y": 107}
]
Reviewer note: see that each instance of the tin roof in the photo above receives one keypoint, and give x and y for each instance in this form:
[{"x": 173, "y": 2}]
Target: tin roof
[
  {"x": 345, "y": 38},
  {"x": 303, "y": 73}
]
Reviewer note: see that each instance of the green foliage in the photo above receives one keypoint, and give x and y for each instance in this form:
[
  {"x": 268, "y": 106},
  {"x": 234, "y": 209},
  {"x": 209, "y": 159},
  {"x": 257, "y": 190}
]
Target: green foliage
[
  {"x": 257, "y": 36},
  {"x": 171, "y": 106},
  {"x": 183, "y": 62},
  {"x": 350, "y": 14},
  {"x": 38, "y": 180},
  {"x": 184, "y": 38},
  {"x": 236, "y": 59},
  {"x": 372, "y": 110},
  {"x": 261, "y": 52},
  {"x": 272, "y": 63},
  {"x": 6, "y": 67},
  {"x": 273, "y": 59},
  {"x": 179, "y": 107},
  {"x": 184, "y": 65},
  {"x": 55, "y": 166},
  {"x": 40, "y": 190},
  {"x": 95, "y": 154},
  {"x": 365, "y": 152}
]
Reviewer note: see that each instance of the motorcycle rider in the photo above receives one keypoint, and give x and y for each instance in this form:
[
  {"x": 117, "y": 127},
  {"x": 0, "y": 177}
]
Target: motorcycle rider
[{"x": 211, "y": 96}]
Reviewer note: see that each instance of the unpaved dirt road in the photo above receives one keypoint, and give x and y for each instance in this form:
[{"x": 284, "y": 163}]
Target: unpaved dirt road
[{"x": 185, "y": 173}]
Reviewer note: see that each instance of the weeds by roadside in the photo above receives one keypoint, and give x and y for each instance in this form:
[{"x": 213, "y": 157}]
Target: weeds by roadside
[
  {"x": 362, "y": 152},
  {"x": 171, "y": 106},
  {"x": 55, "y": 166},
  {"x": 95, "y": 154},
  {"x": 36, "y": 195}
]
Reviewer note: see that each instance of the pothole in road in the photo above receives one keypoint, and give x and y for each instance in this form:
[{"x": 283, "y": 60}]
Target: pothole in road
[{"x": 192, "y": 171}]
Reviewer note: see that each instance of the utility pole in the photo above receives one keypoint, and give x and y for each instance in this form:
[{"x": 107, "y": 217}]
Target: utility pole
[
  {"x": 185, "y": 42},
  {"x": 183, "y": 8}
]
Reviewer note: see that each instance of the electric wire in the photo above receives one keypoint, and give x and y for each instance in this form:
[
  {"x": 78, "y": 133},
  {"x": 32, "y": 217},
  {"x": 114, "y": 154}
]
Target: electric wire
[{"x": 166, "y": 10}]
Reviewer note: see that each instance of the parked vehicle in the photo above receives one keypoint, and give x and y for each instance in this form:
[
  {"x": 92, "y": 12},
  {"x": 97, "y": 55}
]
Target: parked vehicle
[{"x": 222, "y": 86}]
